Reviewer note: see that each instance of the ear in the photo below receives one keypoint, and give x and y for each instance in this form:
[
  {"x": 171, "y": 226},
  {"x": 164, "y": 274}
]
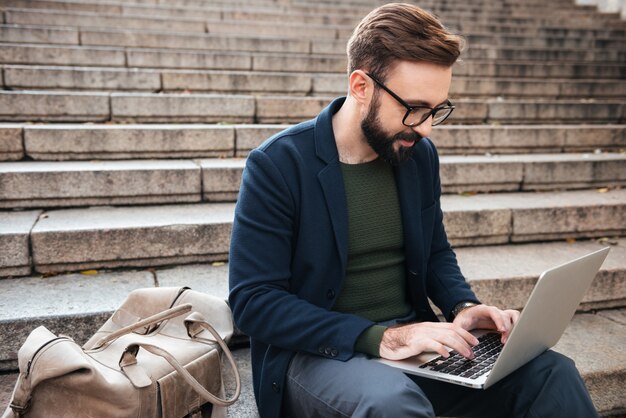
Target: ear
[{"x": 361, "y": 87}]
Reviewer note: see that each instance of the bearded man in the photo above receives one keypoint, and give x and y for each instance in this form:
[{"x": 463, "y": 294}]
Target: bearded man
[{"x": 338, "y": 244}]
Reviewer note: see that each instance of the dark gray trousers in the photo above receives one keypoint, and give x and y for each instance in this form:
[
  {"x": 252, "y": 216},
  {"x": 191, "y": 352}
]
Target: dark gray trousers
[{"x": 548, "y": 386}]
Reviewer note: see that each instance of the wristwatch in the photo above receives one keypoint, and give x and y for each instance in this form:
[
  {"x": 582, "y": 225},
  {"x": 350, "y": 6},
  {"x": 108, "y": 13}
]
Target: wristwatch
[{"x": 461, "y": 306}]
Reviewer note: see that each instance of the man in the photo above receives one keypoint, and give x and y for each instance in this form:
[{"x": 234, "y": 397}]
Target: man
[{"x": 338, "y": 243}]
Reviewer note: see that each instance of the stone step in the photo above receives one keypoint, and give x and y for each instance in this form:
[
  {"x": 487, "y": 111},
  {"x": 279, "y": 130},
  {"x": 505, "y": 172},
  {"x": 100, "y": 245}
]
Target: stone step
[
  {"x": 15, "y": 229},
  {"x": 110, "y": 142},
  {"x": 112, "y": 237},
  {"x": 45, "y": 184},
  {"x": 319, "y": 8},
  {"x": 38, "y": 34},
  {"x": 163, "y": 58},
  {"x": 485, "y": 219},
  {"x": 437, "y": 7},
  {"x": 94, "y": 106},
  {"x": 75, "y": 183},
  {"x": 541, "y": 30},
  {"x": 100, "y": 20},
  {"x": 210, "y": 108},
  {"x": 531, "y": 69},
  {"x": 505, "y": 282},
  {"x": 298, "y": 84},
  {"x": 598, "y": 354},
  {"x": 484, "y": 47},
  {"x": 499, "y": 50},
  {"x": 504, "y": 275},
  {"x": 353, "y": 7},
  {"x": 313, "y": 31},
  {"x": 346, "y": 16},
  {"x": 81, "y": 78},
  {"x": 145, "y": 38}
]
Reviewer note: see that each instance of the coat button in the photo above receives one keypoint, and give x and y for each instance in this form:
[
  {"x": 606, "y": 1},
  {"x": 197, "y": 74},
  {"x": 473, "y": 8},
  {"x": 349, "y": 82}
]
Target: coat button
[
  {"x": 330, "y": 294},
  {"x": 334, "y": 352},
  {"x": 321, "y": 349},
  {"x": 276, "y": 387},
  {"x": 327, "y": 351}
]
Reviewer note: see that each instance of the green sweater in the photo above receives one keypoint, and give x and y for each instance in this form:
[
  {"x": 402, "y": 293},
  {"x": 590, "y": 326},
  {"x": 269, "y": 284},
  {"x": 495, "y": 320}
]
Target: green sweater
[{"x": 374, "y": 287}]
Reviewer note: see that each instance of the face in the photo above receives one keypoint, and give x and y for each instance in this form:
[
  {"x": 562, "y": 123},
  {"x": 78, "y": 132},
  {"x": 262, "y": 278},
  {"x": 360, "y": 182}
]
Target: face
[{"x": 416, "y": 83}]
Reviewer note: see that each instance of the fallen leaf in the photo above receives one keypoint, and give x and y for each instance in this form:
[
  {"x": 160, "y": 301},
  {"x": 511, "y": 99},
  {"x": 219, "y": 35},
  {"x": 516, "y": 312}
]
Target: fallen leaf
[
  {"x": 89, "y": 272},
  {"x": 607, "y": 241},
  {"x": 218, "y": 263},
  {"x": 603, "y": 190},
  {"x": 570, "y": 240},
  {"x": 469, "y": 193}
]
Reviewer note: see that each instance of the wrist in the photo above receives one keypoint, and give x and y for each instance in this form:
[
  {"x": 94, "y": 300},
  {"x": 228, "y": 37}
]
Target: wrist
[{"x": 460, "y": 307}]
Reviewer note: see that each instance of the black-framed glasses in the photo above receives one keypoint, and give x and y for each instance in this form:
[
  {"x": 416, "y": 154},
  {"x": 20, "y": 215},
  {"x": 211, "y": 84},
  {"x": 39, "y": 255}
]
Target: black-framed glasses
[{"x": 416, "y": 115}]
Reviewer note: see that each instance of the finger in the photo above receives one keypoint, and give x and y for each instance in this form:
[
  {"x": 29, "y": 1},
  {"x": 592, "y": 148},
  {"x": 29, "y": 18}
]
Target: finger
[
  {"x": 438, "y": 348},
  {"x": 458, "y": 344},
  {"x": 512, "y": 317},
  {"x": 467, "y": 336},
  {"x": 451, "y": 336},
  {"x": 499, "y": 319}
]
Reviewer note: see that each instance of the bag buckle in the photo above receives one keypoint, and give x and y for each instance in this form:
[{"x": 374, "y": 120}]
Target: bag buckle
[{"x": 19, "y": 409}]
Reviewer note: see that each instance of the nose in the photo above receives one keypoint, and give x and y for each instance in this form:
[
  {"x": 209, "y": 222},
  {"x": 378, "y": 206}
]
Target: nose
[{"x": 424, "y": 129}]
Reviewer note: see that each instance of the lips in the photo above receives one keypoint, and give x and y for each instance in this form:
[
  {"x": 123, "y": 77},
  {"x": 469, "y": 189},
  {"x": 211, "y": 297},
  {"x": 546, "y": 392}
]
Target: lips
[{"x": 406, "y": 143}]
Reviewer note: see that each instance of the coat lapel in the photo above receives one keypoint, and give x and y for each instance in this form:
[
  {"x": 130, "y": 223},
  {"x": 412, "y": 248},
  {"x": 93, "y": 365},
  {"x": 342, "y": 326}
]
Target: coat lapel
[{"x": 331, "y": 178}]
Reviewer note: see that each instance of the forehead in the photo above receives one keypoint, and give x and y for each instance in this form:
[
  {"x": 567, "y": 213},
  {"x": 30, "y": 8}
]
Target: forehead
[{"x": 420, "y": 82}]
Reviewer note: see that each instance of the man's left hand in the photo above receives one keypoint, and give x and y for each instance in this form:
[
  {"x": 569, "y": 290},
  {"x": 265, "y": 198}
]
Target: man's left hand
[{"x": 488, "y": 317}]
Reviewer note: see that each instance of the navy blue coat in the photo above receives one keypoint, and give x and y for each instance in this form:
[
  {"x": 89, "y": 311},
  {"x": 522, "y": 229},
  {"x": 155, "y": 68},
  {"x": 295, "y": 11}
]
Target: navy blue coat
[{"x": 289, "y": 251}]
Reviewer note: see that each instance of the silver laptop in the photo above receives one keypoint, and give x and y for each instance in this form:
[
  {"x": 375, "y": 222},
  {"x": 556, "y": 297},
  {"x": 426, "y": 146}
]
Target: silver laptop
[{"x": 547, "y": 313}]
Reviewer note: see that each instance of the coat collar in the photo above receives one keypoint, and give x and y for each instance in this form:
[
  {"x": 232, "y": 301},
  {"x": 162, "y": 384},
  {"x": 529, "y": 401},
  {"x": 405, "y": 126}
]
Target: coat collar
[{"x": 325, "y": 144}]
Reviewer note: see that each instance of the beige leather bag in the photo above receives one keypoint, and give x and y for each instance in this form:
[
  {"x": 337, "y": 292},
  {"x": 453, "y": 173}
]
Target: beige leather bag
[{"x": 157, "y": 356}]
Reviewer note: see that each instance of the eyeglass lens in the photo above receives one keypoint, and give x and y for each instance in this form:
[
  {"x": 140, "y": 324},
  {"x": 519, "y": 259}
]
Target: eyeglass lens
[{"x": 417, "y": 116}]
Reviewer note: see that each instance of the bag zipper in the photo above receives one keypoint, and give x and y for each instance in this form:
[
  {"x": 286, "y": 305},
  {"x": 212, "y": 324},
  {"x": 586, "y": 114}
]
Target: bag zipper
[
  {"x": 30, "y": 362},
  {"x": 181, "y": 291}
]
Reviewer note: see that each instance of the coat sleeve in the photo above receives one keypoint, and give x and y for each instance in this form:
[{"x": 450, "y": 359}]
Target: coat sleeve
[
  {"x": 446, "y": 285},
  {"x": 260, "y": 272}
]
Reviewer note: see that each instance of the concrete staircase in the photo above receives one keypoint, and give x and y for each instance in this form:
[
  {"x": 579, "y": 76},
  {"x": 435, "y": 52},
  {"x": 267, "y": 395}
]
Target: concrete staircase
[{"x": 124, "y": 127}]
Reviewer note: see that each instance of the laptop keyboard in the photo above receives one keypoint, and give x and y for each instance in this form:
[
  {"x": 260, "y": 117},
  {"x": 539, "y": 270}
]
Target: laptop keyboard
[{"x": 486, "y": 353}]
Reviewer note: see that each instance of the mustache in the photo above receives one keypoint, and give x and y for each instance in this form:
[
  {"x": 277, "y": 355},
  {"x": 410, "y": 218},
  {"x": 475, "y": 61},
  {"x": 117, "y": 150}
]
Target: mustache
[{"x": 407, "y": 136}]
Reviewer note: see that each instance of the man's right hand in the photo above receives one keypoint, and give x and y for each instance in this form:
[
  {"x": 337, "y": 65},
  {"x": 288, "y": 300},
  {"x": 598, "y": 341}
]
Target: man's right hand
[{"x": 409, "y": 340}]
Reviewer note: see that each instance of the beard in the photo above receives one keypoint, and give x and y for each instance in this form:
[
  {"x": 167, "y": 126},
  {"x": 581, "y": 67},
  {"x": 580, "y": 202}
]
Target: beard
[{"x": 381, "y": 142}]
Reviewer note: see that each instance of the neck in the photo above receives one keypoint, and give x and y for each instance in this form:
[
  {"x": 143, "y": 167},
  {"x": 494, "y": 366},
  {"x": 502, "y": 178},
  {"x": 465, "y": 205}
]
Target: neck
[{"x": 351, "y": 143}]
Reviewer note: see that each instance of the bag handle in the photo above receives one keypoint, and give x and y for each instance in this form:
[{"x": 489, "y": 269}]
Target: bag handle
[
  {"x": 151, "y": 320},
  {"x": 128, "y": 363}
]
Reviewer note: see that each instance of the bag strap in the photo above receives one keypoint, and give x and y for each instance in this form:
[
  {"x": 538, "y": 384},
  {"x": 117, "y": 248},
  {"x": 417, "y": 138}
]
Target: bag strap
[
  {"x": 128, "y": 363},
  {"x": 151, "y": 320}
]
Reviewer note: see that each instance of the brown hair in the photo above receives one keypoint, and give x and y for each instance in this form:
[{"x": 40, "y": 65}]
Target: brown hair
[{"x": 400, "y": 31}]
